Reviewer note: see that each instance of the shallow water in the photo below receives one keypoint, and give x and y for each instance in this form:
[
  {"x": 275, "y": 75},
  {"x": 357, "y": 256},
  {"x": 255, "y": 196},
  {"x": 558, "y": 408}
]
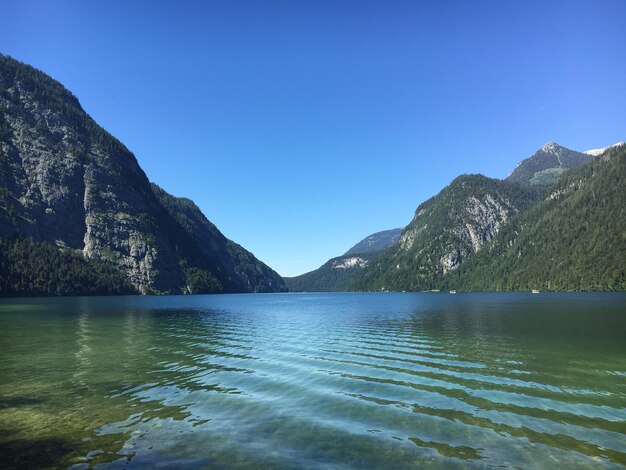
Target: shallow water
[{"x": 314, "y": 381}]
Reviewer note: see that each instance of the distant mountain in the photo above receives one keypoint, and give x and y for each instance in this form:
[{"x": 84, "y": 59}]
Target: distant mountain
[
  {"x": 375, "y": 242},
  {"x": 446, "y": 231},
  {"x": 66, "y": 182},
  {"x": 334, "y": 275},
  {"x": 547, "y": 165},
  {"x": 337, "y": 273},
  {"x": 573, "y": 239}
]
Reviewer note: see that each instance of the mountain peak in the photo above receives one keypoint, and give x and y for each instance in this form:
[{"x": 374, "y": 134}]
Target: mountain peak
[
  {"x": 546, "y": 165},
  {"x": 376, "y": 242},
  {"x": 550, "y": 146}
]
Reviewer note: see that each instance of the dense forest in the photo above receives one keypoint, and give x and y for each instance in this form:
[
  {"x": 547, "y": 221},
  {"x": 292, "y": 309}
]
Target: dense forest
[
  {"x": 575, "y": 239},
  {"x": 29, "y": 268}
]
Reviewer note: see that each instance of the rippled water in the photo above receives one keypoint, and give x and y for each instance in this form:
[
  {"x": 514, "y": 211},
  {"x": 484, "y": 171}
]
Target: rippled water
[{"x": 314, "y": 381}]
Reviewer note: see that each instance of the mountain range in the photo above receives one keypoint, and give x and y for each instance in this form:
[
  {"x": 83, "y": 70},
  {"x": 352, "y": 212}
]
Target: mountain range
[
  {"x": 78, "y": 216},
  {"x": 67, "y": 183},
  {"x": 573, "y": 238},
  {"x": 556, "y": 222}
]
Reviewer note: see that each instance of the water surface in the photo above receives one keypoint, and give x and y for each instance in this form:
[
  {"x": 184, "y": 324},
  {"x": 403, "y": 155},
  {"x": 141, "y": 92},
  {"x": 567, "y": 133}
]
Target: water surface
[{"x": 314, "y": 381}]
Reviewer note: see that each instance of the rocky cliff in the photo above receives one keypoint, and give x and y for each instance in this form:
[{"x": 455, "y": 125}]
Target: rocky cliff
[
  {"x": 64, "y": 180},
  {"x": 574, "y": 238},
  {"x": 446, "y": 231},
  {"x": 556, "y": 223}
]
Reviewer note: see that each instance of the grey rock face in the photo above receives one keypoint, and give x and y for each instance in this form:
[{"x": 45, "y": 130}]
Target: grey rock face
[
  {"x": 65, "y": 180},
  {"x": 75, "y": 186},
  {"x": 458, "y": 222},
  {"x": 446, "y": 231}
]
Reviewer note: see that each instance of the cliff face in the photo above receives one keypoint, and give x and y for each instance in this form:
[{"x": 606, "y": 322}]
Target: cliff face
[
  {"x": 484, "y": 234},
  {"x": 66, "y": 181},
  {"x": 446, "y": 231},
  {"x": 572, "y": 239}
]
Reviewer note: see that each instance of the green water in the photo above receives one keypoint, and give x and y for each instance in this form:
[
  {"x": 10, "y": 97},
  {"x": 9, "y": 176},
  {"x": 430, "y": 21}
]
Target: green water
[{"x": 314, "y": 381}]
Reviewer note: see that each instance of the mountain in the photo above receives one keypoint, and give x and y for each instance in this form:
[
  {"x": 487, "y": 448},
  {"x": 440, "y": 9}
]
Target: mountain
[
  {"x": 337, "y": 273},
  {"x": 333, "y": 276},
  {"x": 375, "y": 242},
  {"x": 66, "y": 182},
  {"x": 446, "y": 231},
  {"x": 241, "y": 271},
  {"x": 573, "y": 239},
  {"x": 547, "y": 164}
]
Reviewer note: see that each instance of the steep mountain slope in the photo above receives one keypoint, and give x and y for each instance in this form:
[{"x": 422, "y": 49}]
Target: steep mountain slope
[
  {"x": 376, "y": 242},
  {"x": 66, "y": 181},
  {"x": 447, "y": 230},
  {"x": 547, "y": 164},
  {"x": 575, "y": 239},
  {"x": 337, "y": 273},
  {"x": 238, "y": 268}
]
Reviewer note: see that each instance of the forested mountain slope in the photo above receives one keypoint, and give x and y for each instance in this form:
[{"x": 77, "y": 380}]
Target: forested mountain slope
[
  {"x": 337, "y": 273},
  {"x": 65, "y": 181},
  {"x": 574, "y": 239},
  {"x": 238, "y": 268},
  {"x": 446, "y": 231}
]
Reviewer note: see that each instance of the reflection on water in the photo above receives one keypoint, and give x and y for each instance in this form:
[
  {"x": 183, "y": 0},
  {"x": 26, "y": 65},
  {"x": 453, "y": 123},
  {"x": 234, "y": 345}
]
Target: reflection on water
[{"x": 314, "y": 381}]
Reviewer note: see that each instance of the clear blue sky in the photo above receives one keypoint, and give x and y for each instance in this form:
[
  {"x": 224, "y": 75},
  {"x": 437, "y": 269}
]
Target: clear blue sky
[{"x": 301, "y": 127}]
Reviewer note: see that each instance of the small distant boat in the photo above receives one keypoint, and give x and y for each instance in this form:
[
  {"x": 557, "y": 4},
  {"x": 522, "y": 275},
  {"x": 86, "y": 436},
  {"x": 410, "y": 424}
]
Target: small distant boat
[
  {"x": 453, "y": 291},
  {"x": 535, "y": 291}
]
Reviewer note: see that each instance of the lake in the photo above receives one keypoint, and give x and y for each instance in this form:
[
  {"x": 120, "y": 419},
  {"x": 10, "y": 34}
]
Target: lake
[{"x": 387, "y": 380}]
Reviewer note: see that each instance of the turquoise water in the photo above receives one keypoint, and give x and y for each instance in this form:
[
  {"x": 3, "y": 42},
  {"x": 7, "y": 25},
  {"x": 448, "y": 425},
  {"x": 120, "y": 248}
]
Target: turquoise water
[{"x": 314, "y": 381}]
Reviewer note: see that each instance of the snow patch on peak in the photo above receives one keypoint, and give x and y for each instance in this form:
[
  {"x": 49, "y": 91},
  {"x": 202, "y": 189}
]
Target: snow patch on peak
[{"x": 596, "y": 152}]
